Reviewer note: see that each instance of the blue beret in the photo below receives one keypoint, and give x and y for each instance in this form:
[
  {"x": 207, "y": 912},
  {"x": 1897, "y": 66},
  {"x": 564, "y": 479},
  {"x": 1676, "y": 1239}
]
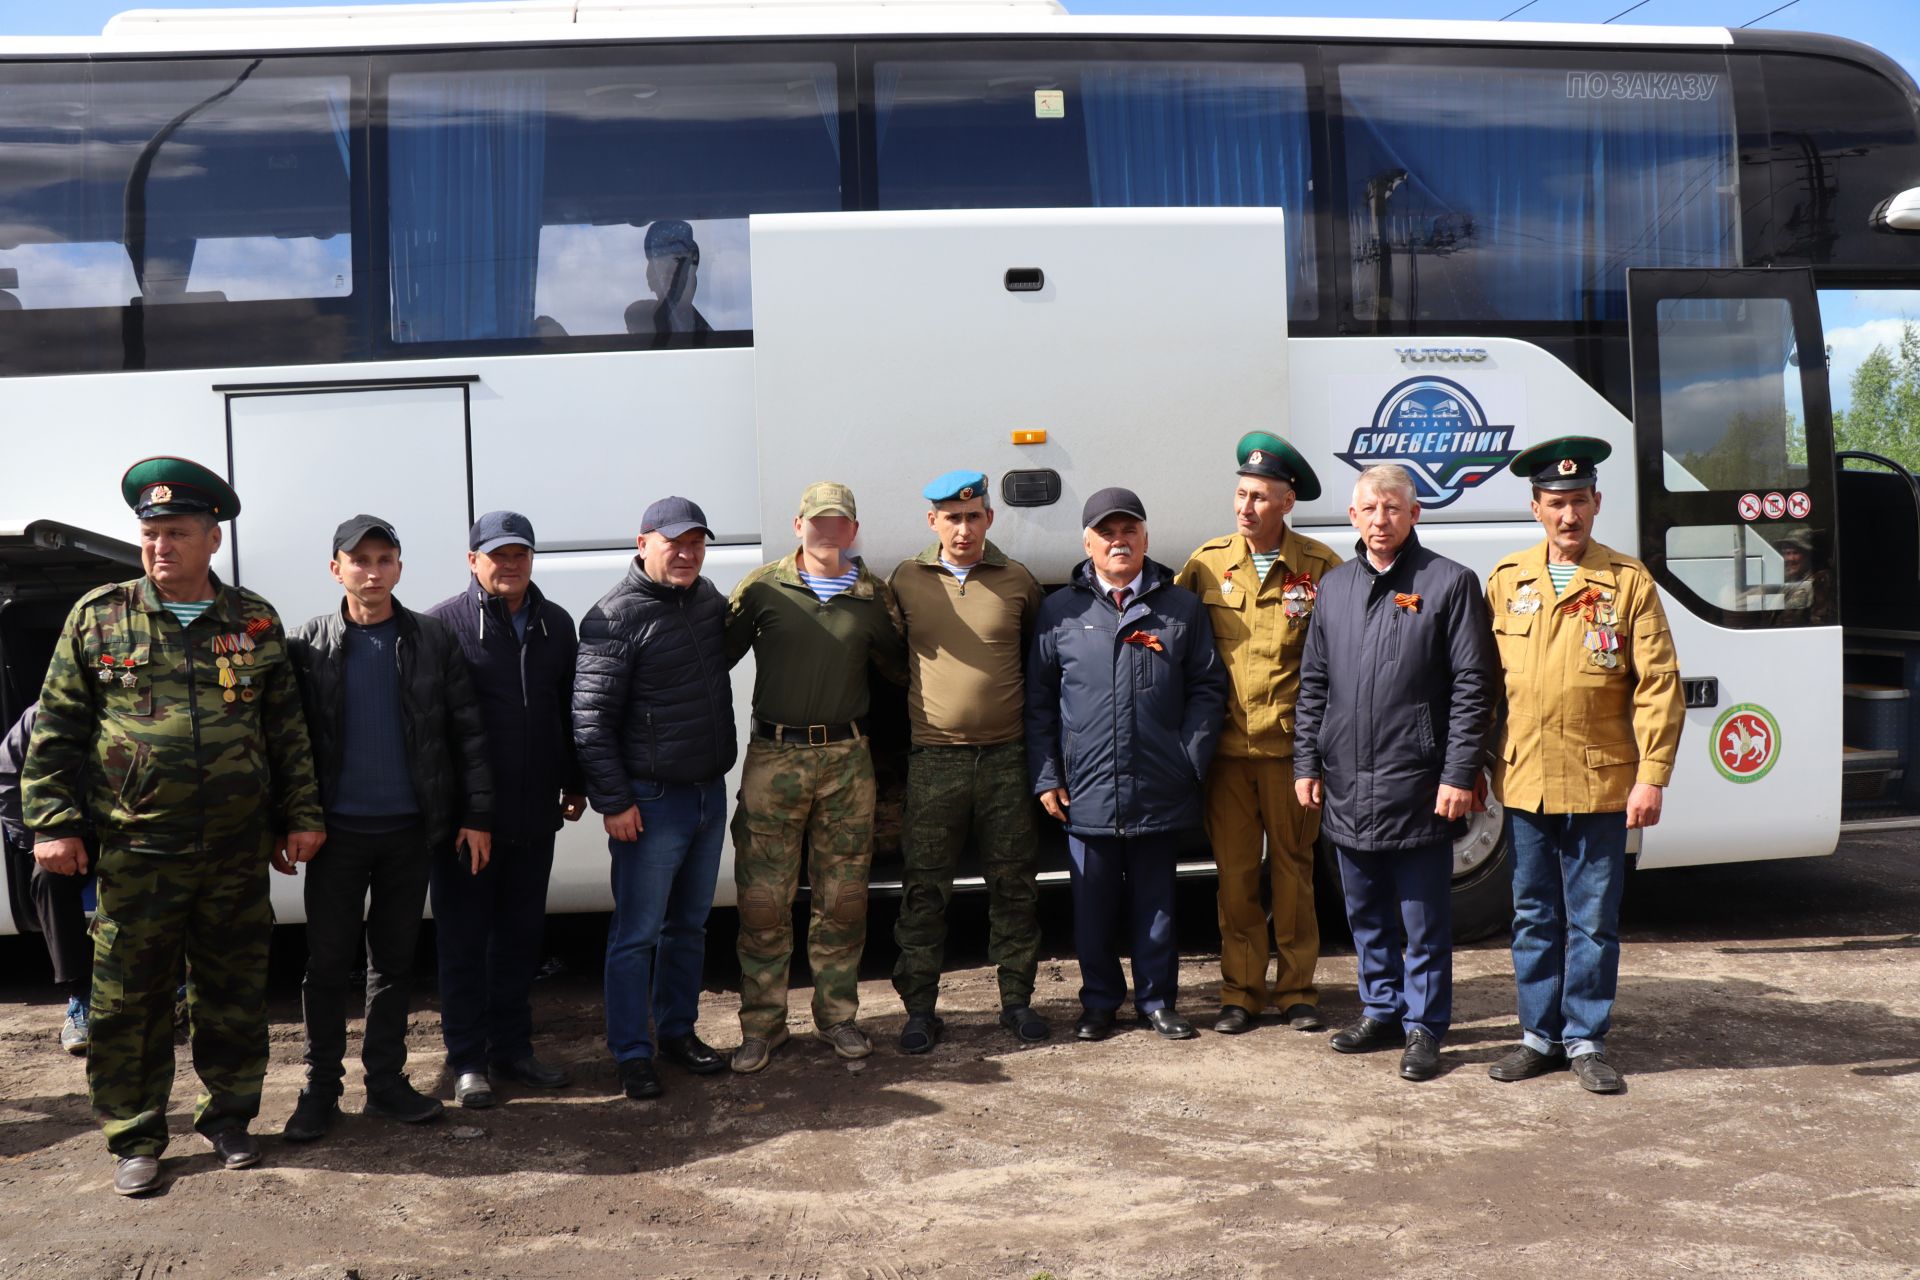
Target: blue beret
[{"x": 956, "y": 486}]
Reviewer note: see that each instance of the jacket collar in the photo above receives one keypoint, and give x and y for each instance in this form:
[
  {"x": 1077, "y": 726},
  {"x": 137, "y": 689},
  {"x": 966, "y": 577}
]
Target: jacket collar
[
  {"x": 1153, "y": 576},
  {"x": 1595, "y": 567},
  {"x": 1288, "y": 551},
  {"x": 400, "y": 615},
  {"x": 225, "y": 606},
  {"x": 993, "y": 556},
  {"x": 1402, "y": 561},
  {"x": 787, "y": 572},
  {"x": 494, "y": 608}
]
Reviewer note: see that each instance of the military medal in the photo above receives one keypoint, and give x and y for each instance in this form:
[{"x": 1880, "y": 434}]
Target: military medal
[
  {"x": 1298, "y": 593},
  {"x": 1226, "y": 583},
  {"x": 246, "y": 688},
  {"x": 106, "y": 668},
  {"x": 227, "y": 682},
  {"x": 128, "y": 679},
  {"x": 1602, "y": 640},
  {"x": 1525, "y": 601},
  {"x": 247, "y": 645}
]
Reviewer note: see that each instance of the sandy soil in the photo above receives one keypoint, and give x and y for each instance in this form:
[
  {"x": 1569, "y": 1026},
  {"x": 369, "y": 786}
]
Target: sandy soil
[{"x": 1769, "y": 1022}]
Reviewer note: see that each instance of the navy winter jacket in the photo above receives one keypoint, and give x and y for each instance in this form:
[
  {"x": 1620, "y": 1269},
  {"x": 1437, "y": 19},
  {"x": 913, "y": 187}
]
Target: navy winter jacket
[
  {"x": 526, "y": 700},
  {"x": 1394, "y": 700},
  {"x": 653, "y": 700},
  {"x": 1124, "y": 709}
]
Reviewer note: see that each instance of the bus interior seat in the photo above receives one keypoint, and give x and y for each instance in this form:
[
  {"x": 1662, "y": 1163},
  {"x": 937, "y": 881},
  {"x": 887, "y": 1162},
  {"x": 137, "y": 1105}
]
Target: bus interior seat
[{"x": 1879, "y": 550}]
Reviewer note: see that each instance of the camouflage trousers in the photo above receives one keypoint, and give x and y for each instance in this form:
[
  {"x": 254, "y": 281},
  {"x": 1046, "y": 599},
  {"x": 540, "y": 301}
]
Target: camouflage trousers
[
  {"x": 1250, "y": 806},
  {"x": 822, "y": 797},
  {"x": 952, "y": 791},
  {"x": 212, "y": 909}
]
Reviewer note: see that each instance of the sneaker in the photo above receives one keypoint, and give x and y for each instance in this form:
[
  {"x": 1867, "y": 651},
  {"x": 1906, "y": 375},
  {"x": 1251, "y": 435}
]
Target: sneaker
[
  {"x": 312, "y": 1116},
  {"x": 847, "y": 1040},
  {"x": 400, "y": 1101},
  {"x": 756, "y": 1051},
  {"x": 76, "y": 1033}
]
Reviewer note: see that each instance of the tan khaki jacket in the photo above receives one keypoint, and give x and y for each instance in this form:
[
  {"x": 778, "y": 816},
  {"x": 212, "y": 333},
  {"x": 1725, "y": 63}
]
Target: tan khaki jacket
[
  {"x": 1578, "y": 734},
  {"x": 966, "y": 647},
  {"x": 1258, "y": 642}
]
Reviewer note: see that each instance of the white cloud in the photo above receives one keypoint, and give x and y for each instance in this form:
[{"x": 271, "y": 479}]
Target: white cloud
[{"x": 1852, "y": 345}]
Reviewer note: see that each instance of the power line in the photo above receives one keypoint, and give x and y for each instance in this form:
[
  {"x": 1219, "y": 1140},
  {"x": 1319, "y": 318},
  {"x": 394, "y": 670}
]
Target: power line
[
  {"x": 1629, "y": 9},
  {"x": 1530, "y": 3},
  {"x": 1769, "y": 13}
]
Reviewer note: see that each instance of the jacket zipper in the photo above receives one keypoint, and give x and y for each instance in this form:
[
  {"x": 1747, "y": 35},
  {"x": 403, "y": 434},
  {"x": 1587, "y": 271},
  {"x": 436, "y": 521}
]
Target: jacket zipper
[{"x": 705, "y": 677}]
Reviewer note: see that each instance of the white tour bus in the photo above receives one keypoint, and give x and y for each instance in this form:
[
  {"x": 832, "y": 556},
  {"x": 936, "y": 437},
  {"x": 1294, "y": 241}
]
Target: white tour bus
[{"x": 390, "y": 260}]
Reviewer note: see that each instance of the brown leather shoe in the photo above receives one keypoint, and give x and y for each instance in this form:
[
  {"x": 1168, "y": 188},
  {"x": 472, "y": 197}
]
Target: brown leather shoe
[{"x": 136, "y": 1175}]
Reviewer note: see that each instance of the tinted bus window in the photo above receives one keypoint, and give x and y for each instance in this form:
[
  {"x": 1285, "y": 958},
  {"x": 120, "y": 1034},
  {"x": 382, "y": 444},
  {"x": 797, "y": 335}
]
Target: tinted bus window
[
  {"x": 1843, "y": 141},
  {"x": 1065, "y": 132},
  {"x": 1481, "y": 192},
  {"x": 594, "y": 194}
]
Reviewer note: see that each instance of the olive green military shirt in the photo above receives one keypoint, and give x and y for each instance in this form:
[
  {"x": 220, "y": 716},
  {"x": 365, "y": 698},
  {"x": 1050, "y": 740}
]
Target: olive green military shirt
[
  {"x": 135, "y": 729},
  {"x": 1261, "y": 632},
  {"x": 810, "y": 659},
  {"x": 966, "y": 643}
]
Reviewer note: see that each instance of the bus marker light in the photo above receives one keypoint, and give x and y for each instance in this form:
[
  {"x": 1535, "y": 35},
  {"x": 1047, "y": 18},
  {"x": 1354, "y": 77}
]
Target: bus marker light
[{"x": 1029, "y": 437}]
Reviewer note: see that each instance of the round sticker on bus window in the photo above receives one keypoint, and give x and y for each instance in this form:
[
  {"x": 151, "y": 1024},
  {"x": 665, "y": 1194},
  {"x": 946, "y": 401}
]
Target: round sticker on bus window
[
  {"x": 1749, "y": 506},
  {"x": 1745, "y": 743}
]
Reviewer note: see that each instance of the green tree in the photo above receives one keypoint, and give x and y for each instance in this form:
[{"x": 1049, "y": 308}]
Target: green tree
[{"x": 1885, "y": 415}]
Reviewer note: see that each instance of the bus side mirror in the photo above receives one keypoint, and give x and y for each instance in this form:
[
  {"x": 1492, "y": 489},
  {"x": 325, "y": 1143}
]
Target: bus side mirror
[{"x": 1898, "y": 213}]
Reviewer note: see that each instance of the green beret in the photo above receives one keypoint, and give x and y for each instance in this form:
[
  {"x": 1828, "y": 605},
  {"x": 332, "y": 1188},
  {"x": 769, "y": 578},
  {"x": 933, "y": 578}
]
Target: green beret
[
  {"x": 1264, "y": 454},
  {"x": 166, "y": 486},
  {"x": 1566, "y": 462}
]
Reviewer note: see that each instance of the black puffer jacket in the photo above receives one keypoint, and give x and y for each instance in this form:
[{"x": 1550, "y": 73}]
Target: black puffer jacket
[
  {"x": 526, "y": 700},
  {"x": 652, "y": 700},
  {"x": 446, "y": 740}
]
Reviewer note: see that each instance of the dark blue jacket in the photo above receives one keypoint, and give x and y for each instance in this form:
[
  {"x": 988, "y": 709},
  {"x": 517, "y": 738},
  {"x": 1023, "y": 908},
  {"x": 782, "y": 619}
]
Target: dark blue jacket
[
  {"x": 1394, "y": 700},
  {"x": 1128, "y": 728},
  {"x": 526, "y": 701}
]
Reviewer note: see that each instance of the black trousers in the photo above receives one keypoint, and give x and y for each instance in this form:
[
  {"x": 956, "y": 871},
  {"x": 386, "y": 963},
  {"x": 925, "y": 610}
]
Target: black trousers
[
  {"x": 489, "y": 928},
  {"x": 393, "y": 868},
  {"x": 63, "y": 919}
]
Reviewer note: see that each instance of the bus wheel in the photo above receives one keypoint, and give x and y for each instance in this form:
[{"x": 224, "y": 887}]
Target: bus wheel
[{"x": 1483, "y": 877}]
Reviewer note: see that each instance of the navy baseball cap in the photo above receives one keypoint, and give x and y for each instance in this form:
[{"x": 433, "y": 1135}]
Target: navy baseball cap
[
  {"x": 1111, "y": 502},
  {"x": 500, "y": 529},
  {"x": 351, "y": 531},
  {"x": 671, "y": 517}
]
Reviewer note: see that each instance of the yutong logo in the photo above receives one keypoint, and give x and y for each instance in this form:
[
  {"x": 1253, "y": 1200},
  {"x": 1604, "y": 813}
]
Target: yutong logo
[{"x": 1438, "y": 432}]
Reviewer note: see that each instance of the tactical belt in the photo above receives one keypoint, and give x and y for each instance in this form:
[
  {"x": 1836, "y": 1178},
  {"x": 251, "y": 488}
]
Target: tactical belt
[{"x": 808, "y": 735}]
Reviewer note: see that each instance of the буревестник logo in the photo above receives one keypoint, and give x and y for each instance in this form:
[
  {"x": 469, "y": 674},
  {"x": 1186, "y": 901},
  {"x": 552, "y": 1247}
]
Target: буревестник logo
[{"x": 1436, "y": 430}]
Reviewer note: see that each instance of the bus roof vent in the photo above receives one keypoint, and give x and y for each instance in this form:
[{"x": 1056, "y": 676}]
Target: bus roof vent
[{"x": 542, "y": 13}]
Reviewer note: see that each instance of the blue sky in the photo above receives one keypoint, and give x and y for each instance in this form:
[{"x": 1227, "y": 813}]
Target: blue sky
[{"x": 1855, "y": 322}]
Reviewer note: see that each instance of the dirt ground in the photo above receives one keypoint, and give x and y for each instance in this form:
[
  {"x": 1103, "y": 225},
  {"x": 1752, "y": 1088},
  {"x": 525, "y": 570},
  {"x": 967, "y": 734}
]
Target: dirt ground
[{"x": 1769, "y": 1023}]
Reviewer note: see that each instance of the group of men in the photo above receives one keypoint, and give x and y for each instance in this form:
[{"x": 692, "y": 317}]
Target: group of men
[{"x": 185, "y": 740}]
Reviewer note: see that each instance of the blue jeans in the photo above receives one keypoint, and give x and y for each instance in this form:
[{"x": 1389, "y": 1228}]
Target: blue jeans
[
  {"x": 1400, "y": 905},
  {"x": 490, "y": 928},
  {"x": 1568, "y": 871},
  {"x": 1131, "y": 876},
  {"x": 662, "y": 891}
]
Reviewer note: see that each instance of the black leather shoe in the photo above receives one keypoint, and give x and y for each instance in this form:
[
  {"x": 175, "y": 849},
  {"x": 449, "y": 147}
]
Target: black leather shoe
[
  {"x": 1365, "y": 1036},
  {"x": 1027, "y": 1026},
  {"x": 692, "y": 1054},
  {"x": 921, "y": 1033},
  {"x": 312, "y": 1116},
  {"x": 1525, "y": 1063},
  {"x": 236, "y": 1148},
  {"x": 1232, "y": 1020},
  {"x": 1596, "y": 1076},
  {"x": 473, "y": 1090},
  {"x": 136, "y": 1175},
  {"x": 1170, "y": 1025},
  {"x": 1303, "y": 1017},
  {"x": 640, "y": 1080},
  {"x": 401, "y": 1101},
  {"x": 1094, "y": 1024},
  {"x": 1421, "y": 1061},
  {"x": 531, "y": 1071}
]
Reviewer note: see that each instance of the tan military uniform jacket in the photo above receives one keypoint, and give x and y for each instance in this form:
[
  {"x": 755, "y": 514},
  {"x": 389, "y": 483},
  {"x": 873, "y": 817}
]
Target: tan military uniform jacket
[
  {"x": 1579, "y": 733},
  {"x": 1258, "y": 641}
]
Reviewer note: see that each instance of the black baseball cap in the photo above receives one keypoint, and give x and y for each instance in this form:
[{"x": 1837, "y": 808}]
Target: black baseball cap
[
  {"x": 671, "y": 517},
  {"x": 352, "y": 530},
  {"x": 1111, "y": 502},
  {"x": 500, "y": 529}
]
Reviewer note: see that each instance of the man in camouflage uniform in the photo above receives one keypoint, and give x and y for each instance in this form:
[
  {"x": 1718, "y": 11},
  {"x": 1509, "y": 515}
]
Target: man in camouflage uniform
[
  {"x": 170, "y": 716},
  {"x": 814, "y": 620},
  {"x": 1259, "y": 585},
  {"x": 969, "y": 613}
]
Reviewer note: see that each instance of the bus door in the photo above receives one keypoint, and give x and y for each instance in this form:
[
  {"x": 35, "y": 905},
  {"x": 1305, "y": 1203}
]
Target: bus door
[
  {"x": 306, "y": 456},
  {"x": 1735, "y": 470}
]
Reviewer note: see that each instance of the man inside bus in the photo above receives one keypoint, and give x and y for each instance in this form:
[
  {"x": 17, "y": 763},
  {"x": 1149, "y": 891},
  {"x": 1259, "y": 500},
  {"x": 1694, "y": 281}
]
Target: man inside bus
[
  {"x": 520, "y": 649},
  {"x": 1259, "y": 585},
  {"x": 653, "y": 723},
  {"x": 815, "y": 621},
  {"x": 1125, "y": 695},
  {"x": 970, "y": 613},
  {"x": 1592, "y": 726},
  {"x": 401, "y": 751},
  {"x": 673, "y": 274}
]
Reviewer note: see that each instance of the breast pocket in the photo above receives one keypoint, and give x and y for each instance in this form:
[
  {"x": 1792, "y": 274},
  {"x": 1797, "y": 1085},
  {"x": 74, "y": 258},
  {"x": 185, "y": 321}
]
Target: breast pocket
[
  {"x": 1227, "y": 611},
  {"x": 1513, "y": 634}
]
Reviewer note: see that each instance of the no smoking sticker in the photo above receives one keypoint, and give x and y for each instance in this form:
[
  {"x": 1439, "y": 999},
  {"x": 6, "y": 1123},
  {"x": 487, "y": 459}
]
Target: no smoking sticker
[
  {"x": 1799, "y": 505},
  {"x": 1745, "y": 743},
  {"x": 1749, "y": 506},
  {"x": 1775, "y": 505}
]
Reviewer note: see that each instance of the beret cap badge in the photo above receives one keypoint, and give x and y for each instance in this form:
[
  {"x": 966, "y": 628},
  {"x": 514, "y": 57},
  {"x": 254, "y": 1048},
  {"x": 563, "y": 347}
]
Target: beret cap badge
[{"x": 160, "y": 493}]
